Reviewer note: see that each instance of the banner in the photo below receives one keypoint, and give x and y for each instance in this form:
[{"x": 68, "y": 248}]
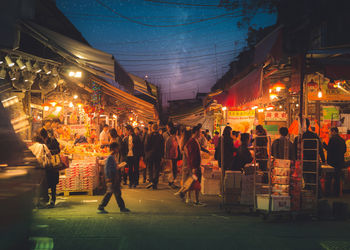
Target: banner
[
  {"x": 275, "y": 116},
  {"x": 330, "y": 113},
  {"x": 241, "y": 121}
]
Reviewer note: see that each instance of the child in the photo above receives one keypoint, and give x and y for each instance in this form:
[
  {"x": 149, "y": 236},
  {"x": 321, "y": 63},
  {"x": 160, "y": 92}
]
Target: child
[{"x": 113, "y": 180}]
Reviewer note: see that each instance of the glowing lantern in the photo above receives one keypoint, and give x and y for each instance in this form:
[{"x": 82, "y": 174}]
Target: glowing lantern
[
  {"x": 278, "y": 86},
  {"x": 270, "y": 107},
  {"x": 312, "y": 84},
  {"x": 53, "y": 103},
  {"x": 273, "y": 96}
]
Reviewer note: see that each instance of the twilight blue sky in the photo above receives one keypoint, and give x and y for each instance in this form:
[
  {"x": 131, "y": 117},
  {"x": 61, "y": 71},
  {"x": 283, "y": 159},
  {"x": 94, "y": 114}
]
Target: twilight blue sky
[{"x": 181, "y": 59}]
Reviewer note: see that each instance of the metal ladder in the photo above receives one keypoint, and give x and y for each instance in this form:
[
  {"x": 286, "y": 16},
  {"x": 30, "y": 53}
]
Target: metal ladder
[
  {"x": 316, "y": 162},
  {"x": 264, "y": 172}
]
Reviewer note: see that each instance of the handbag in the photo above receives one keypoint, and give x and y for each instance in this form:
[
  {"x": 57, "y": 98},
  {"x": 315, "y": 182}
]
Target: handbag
[
  {"x": 46, "y": 158},
  {"x": 55, "y": 161}
]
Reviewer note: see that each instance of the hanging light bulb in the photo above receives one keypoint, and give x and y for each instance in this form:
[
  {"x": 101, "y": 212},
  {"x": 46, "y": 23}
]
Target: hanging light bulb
[
  {"x": 224, "y": 108},
  {"x": 71, "y": 105},
  {"x": 54, "y": 71},
  {"x": 319, "y": 93},
  {"x": 254, "y": 107},
  {"x": 36, "y": 67},
  {"x": 29, "y": 66},
  {"x": 9, "y": 61},
  {"x": 75, "y": 96},
  {"x": 47, "y": 69},
  {"x": 20, "y": 63}
]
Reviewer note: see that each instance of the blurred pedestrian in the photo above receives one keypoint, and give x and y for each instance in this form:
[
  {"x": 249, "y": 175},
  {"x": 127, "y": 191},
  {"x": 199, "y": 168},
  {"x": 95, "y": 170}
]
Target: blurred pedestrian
[
  {"x": 172, "y": 154},
  {"x": 113, "y": 176},
  {"x": 207, "y": 135},
  {"x": 194, "y": 161},
  {"x": 154, "y": 151},
  {"x": 215, "y": 139}
]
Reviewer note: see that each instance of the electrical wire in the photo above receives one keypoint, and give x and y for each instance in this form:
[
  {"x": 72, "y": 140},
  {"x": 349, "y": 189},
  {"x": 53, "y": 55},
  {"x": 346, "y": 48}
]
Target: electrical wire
[
  {"x": 185, "y": 4},
  {"x": 162, "y": 26}
]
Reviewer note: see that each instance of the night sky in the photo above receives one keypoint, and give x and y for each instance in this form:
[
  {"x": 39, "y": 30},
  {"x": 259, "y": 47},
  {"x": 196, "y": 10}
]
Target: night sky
[{"x": 182, "y": 59}]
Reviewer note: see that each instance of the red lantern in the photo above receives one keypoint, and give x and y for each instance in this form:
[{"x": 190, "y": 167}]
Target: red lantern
[{"x": 312, "y": 84}]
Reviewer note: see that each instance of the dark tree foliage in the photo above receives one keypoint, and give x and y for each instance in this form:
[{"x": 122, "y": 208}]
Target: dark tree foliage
[{"x": 249, "y": 8}]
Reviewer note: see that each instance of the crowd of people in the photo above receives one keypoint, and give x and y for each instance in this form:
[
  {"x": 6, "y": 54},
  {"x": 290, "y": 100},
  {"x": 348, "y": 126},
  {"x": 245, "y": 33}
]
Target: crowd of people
[{"x": 143, "y": 153}]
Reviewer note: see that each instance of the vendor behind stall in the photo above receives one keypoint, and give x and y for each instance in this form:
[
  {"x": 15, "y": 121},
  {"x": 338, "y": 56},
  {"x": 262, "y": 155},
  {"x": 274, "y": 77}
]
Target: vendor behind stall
[
  {"x": 104, "y": 136},
  {"x": 336, "y": 149}
]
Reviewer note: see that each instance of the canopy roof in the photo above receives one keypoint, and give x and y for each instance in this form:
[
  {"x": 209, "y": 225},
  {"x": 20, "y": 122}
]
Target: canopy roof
[
  {"x": 143, "y": 109},
  {"x": 92, "y": 60},
  {"x": 242, "y": 91}
]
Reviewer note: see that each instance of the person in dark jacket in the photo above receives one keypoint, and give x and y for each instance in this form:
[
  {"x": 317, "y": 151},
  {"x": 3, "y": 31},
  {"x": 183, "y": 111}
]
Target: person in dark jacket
[
  {"x": 143, "y": 141},
  {"x": 113, "y": 180},
  {"x": 282, "y": 148},
  {"x": 336, "y": 149},
  {"x": 154, "y": 151},
  {"x": 132, "y": 150},
  {"x": 243, "y": 154},
  {"x": 229, "y": 149},
  {"x": 311, "y": 140},
  {"x": 52, "y": 174}
]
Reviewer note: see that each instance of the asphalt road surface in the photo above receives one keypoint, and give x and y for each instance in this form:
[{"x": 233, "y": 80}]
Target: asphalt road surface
[{"x": 159, "y": 220}]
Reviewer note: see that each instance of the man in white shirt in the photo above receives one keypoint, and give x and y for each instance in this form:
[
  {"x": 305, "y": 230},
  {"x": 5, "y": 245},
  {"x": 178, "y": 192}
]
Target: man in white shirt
[{"x": 104, "y": 136}]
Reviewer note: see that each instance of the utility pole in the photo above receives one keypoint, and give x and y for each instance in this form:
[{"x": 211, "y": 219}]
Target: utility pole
[{"x": 216, "y": 62}]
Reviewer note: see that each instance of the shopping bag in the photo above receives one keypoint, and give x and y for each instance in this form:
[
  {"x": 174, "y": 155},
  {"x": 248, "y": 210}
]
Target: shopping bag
[{"x": 188, "y": 183}]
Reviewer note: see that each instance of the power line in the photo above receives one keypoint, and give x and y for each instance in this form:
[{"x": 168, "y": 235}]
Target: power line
[
  {"x": 176, "y": 58},
  {"x": 161, "y": 26},
  {"x": 183, "y": 4}
]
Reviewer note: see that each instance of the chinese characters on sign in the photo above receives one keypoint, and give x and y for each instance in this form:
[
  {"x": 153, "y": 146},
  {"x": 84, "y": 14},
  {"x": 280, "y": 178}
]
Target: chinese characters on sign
[{"x": 275, "y": 116}]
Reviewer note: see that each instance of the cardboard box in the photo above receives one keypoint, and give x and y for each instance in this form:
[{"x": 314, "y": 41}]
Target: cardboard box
[
  {"x": 210, "y": 186},
  {"x": 278, "y": 203}
]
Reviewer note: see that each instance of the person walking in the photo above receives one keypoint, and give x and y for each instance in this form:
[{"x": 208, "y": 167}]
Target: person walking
[
  {"x": 194, "y": 160},
  {"x": 154, "y": 151},
  {"x": 172, "y": 154},
  {"x": 143, "y": 141},
  {"x": 282, "y": 148},
  {"x": 215, "y": 139},
  {"x": 186, "y": 171},
  {"x": 131, "y": 149},
  {"x": 336, "y": 149},
  {"x": 113, "y": 176}
]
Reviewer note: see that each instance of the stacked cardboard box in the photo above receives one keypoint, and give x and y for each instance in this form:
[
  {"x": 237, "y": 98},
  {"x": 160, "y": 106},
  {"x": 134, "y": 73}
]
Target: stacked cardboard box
[
  {"x": 82, "y": 175},
  {"x": 232, "y": 186},
  {"x": 211, "y": 179},
  {"x": 278, "y": 202}
]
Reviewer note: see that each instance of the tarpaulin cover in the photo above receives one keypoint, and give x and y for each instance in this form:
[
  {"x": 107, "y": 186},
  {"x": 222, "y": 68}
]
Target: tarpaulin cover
[
  {"x": 93, "y": 60},
  {"x": 245, "y": 90},
  {"x": 267, "y": 47}
]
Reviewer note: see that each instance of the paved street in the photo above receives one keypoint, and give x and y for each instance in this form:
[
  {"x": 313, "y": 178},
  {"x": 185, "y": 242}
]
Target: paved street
[{"x": 159, "y": 220}]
